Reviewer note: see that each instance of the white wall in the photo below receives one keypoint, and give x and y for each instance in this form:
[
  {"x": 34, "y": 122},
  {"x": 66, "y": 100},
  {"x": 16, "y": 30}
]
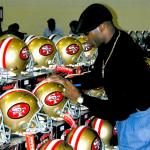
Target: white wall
[{"x": 32, "y": 14}]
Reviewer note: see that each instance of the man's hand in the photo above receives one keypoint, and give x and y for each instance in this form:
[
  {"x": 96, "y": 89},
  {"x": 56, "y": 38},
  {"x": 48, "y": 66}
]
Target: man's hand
[
  {"x": 74, "y": 75},
  {"x": 70, "y": 90}
]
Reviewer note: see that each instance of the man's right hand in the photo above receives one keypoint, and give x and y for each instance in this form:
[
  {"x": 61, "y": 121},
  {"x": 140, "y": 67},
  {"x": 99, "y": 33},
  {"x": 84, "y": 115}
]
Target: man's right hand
[{"x": 70, "y": 90}]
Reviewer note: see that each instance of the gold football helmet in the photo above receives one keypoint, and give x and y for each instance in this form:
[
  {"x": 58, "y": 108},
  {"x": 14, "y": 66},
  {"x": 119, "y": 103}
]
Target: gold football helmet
[
  {"x": 134, "y": 36},
  {"x": 97, "y": 92},
  {"x": 103, "y": 128},
  {"x": 56, "y": 144},
  {"x": 21, "y": 112},
  {"x": 14, "y": 55},
  {"x": 84, "y": 138},
  {"x": 90, "y": 52},
  {"x": 55, "y": 104},
  {"x": 69, "y": 50},
  {"x": 42, "y": 50}
]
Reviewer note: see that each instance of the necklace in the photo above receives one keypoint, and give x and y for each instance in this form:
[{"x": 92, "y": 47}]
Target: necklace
[{"x": 105, "y": 62}]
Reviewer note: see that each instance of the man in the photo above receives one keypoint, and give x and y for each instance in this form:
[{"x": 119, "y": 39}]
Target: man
[
  {"x": 52, "y": 29},
  {"x": 120, "y": 67},
  {"x": 14, "y": 29},
  {"x": 73, "y": 25}
]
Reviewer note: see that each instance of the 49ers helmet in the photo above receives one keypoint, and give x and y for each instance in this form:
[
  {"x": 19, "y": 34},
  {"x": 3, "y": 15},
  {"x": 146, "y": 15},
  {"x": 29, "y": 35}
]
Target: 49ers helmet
[
  {"x": 42, "y": 50},
  {"x": 97, "y": 92},
  {"x": 20, "y": 110},
  {"x": 104, "y": 129},
  {"x": 56, "y": 144},
  {"x": 69, "y": 50},
  {"x": 55, "y": 104},
  {"x": 14, "y": 55},
  {"x": 84, "y": 138},
  {"x": 90, "y": 52}
]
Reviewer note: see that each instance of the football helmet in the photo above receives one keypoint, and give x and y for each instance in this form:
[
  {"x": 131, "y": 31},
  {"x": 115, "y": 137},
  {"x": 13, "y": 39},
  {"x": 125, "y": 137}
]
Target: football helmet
[
  {"x": 70, "y": 51},
  {"x": 147, "y": 61},
  {"x": 14, "y": 55},
  {"x": 134, "y": 36},
  {"x": 90, "y": 52},
  {"x": 42, "y": 50},
  {"x": 97, "y": 92},
  {"x": 84, "y": 138},
  {"x": 104, "y": 129},
  {"x": 55, "y": 104},
  {"x": 140, "y": 37},
  {"x": 21, "y": 112},
  {"x": 56, "y": 144}
]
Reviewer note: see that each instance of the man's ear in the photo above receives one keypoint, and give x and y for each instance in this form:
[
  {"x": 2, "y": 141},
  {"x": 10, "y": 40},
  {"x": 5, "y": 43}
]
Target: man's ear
[{"x": 101, "y": 27}]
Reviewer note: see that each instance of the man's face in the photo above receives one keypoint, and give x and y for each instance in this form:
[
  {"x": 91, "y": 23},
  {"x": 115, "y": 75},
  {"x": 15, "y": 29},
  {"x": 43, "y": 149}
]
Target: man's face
[{"x": 95, "y": 37}]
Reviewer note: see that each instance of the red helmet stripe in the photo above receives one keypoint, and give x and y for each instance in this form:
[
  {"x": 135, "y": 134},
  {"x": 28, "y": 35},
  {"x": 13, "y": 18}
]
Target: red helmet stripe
[
  {"x": 76, "y": 137},
  {"x": 4, "y": 47},
  {"x": 53, "y": 144},
  {"x": 98, "y": 125},
  {"x": 56, "y": 144},
  {"x": 46, "y": 145},
  {"x": 1, "y": 42},
  {"x": 1, "y": 53},
  {"x": 70, "y": 139},
  {"x": 94, "y": 123}
]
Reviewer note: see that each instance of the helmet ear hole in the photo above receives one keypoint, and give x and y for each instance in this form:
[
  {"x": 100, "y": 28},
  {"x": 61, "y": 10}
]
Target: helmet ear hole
[
  {"x": 23, "y": 126},
  {"x": 32, "y": 124}
]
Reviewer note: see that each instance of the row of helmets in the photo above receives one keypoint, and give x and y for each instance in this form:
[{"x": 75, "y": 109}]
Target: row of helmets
[
  {"x": 82, "y": 137},
  {"x": 24, "y": 112},
  {"x": 96, "y": 134},
  {"x": 37, "y": 52}
]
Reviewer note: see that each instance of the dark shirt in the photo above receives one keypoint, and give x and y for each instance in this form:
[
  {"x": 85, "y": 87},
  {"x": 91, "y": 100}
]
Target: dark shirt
[{"x": 126, "y": 80}]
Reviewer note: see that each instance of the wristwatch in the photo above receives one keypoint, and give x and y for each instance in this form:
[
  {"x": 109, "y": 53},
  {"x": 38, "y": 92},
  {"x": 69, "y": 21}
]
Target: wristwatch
[{"x": 80, "y": 99}]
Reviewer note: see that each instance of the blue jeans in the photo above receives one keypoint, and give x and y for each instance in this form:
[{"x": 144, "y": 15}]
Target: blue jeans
[{"x": 134, "y": 132}]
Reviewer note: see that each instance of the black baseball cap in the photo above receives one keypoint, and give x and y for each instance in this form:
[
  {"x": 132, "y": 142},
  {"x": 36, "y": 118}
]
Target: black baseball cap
[{"x": 92, "y": 17}]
